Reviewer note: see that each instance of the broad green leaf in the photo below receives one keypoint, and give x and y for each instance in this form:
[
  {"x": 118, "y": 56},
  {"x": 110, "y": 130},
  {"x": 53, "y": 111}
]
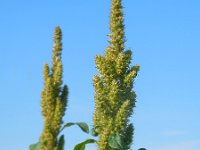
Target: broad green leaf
[
  {"x": 81, "y": 146},
  {"x": 116, "y": 141},
  {"x": 84, "y": 127}
]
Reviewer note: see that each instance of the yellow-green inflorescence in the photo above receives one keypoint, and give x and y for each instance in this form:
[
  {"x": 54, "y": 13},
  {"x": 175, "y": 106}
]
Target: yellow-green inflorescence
[
  {"x": 53, "y": 98},
  {"x": 114, "y": 95}
]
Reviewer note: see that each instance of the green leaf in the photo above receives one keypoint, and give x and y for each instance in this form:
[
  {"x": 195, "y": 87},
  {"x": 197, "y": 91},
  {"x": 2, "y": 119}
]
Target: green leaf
[
  {"x": 93, "y": 132},
  {"x": 36, "y": 146},
  {"x": 81, "y": 146},
  {"x": 115, "y": 141},
  {"x": 84, "y": 127},
  {"x": 142, "y": 149},
  {"x": 61, "y": 142},
  {"x": 68, "y": 124}
]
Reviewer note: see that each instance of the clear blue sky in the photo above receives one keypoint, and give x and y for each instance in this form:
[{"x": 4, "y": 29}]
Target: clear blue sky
[{"x": 164, "y": 36}]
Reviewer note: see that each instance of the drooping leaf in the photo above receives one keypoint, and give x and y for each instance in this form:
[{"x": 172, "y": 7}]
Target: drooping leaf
[
  {"x": 116, "y": 141},
  {"x": 68, "y": 124},
  {"x": 81, "y": 146},
  {"x": 82, "y": 125}
]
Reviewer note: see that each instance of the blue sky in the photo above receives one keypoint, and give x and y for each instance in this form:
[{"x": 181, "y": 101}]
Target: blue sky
[{"x": 164, "y": 36}]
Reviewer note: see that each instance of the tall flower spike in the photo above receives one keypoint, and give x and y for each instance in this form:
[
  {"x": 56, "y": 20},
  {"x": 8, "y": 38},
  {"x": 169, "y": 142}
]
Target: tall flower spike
[
  {"x": 114, "y": 95},
  {"x": 53, "y": 98}
]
